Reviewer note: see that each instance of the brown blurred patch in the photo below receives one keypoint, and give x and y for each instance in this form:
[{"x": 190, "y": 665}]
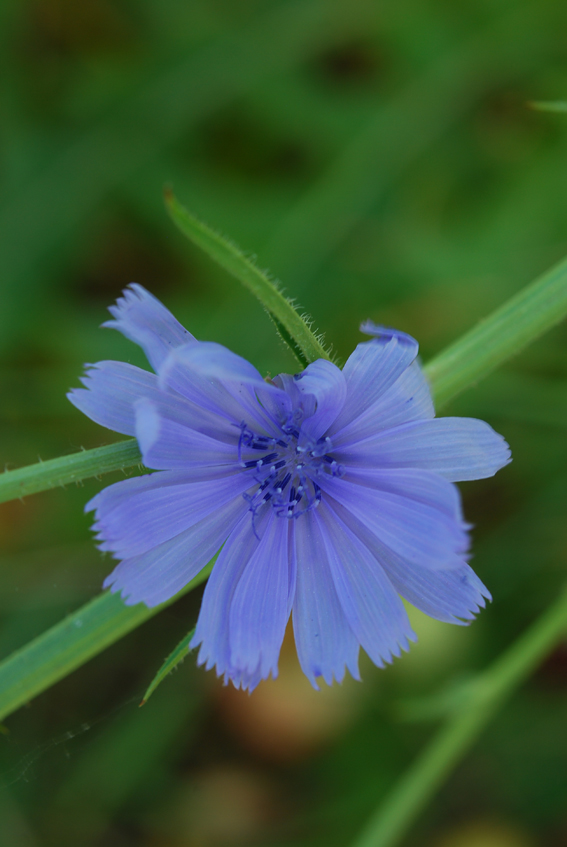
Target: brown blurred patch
[
  {"x": 355, "y": 62},
  {"x": 239, "y": 142},
  {"x": 553, "y": 672},
  {"x": 486, "y": 834},
  {"x": 223, "y": 805},
  {"x": 61, "y": 36},
  {"x": 64, "y": 26},
  {"x": 126, "y": 251},
  {"x": 15, "y": 519},
  {"x": 285, "y": 719},
  {"x": 506, "y": 129}
]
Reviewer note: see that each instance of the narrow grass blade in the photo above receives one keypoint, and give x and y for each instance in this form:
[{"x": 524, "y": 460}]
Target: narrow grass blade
[
  {"x": 508, "y": 330},
  {"x": 175, "y": 657},
  {"x": 74, "y": 468},
  {"x": 422, "y": 780},
  {"x": 72, "y": 642},
  {"x": 293, "y": 328}
]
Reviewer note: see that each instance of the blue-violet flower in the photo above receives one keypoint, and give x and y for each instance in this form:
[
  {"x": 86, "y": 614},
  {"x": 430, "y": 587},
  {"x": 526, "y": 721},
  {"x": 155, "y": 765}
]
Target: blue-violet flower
[{"x": 329, "y": 494}]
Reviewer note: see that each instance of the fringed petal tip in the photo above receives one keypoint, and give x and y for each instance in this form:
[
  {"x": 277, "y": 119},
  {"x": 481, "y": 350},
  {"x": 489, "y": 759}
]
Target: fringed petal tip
[
  {"x": 317, "y": 674},
  {"x": 395, "y": 652},
  {"x": 112, "y": 584},
  {"x": 143, "y": 319},
  {"x": 246, "y": 681},
  {"x": 110, "y": 390},
  {"x": 467, "y": 618},
  {"x": 351, "y": 668},
  {"x": 243, "y": 679},
  {"x": 127, "y": 595},
  {"x": 386, "y": 333},
  {"x": 134, "y": 299},
  {"x": 480, "y": 596}
]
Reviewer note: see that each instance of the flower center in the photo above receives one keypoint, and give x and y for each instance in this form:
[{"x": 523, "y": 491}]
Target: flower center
[{"x": 285, "y": 473}]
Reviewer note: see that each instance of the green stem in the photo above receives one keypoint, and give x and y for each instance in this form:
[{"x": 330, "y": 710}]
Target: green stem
[
  {"x": 74, "y": 468},
  {"x": 72, "y": 642},
  {"x": 508, "y": 330},
  {"x": 418, "y": 784}
]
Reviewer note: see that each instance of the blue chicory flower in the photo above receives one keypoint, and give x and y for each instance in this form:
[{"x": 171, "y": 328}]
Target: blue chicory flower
[{"x": 329, "y": 494}]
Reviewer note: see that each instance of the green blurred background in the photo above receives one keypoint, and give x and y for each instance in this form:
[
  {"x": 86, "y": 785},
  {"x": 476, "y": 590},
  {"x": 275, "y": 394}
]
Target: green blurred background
[{"x": 380, "y": 159}]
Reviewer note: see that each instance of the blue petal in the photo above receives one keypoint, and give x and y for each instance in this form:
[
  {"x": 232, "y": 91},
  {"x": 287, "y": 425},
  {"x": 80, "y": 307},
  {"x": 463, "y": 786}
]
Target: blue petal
[
  {"x": 303, "y": 405},
  {"x": 261, "y": 603},
  {"x": 325, "y": 642},
  {"x": 135, "y": 515},
  {"x": 373, "y": 609},
  {"x": 457, "y": 448},
  {"x": 159, "y": 574},
  {"x": 415, "y": 513},
  {"x": 166, "y": 442},
  {"x": 111, "y": 389},
  {"x": 144, "y": 320},
  {"x": 384, "y": 333},
  {"x": 212, "y": 631},
  {"x": 370, "y": 370},
  {"x": 408, "y": 399},
  {"x": 326, "y": 383},
  {"x": 216, "y": 379},
  {"x": 453, "y": 596}
]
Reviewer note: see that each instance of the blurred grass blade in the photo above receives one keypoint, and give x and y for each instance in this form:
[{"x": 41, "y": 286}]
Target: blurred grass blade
[
  {"x": 175, "y": 657},
  {"x": 293, "y": 328},
  {"x": 548, "y": 105},
  {"x": 508, "y": 330},
  {"x": 370, "y": 163},
  {"x": 169, "y": 102},
  {"x": 72, "y": 642},
  {"x": 421, "y": 781},
  {"x": 440, "y": 704},
  {"x": 129, "y": 751},
  {"x": 74, "y": 468}
]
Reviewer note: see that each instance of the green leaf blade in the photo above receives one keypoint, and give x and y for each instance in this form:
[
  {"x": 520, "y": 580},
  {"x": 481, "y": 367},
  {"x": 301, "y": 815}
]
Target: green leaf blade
[
  {"x": 69, "y": 644},
  {"x": 177, "y": 655},
  {"x": 509, "y": 329},
  {"x": 549, "y": 105},
  {"x": 304, "y": 343},
  {"x": 420, "y": 782}
]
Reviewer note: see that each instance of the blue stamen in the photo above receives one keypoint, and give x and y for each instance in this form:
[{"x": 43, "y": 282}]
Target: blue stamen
[{"x": 300, "y": 466}]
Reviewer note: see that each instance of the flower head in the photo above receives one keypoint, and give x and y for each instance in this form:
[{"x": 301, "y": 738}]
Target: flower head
[{"x": 329, "y": 494}]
